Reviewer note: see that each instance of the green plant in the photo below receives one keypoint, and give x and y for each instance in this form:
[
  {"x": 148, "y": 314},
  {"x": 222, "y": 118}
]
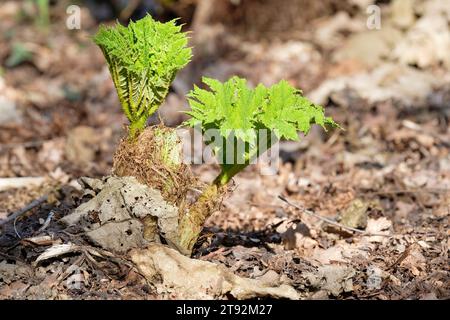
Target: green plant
[
  {"x": 143, "y": 59},
  {"x": 239, "y": 115},
  {"x": 43, "y": 18},
  {"x": 19, "y": 54}
]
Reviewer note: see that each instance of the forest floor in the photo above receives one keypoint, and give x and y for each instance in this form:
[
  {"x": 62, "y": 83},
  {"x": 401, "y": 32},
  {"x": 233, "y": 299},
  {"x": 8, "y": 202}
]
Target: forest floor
[{"x": 387, "y": 173}]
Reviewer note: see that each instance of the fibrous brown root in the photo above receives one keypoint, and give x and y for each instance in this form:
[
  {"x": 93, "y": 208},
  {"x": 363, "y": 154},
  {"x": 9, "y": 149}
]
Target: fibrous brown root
[{"x": 154, "y": 158}]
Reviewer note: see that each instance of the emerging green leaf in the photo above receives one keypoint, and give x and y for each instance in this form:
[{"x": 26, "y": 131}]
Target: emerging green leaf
[
  {"x": 239, "y": 114},
  {"x": 143, "y": 59}
]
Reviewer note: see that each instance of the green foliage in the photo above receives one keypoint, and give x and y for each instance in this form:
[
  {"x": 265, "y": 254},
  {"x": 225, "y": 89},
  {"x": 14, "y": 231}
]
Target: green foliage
[
  {"x": 143, "y": 59},
  {"x": 19, "y": 54},
  {"x": 44, "y": 16},
  {"x": 238, "y": 113}
]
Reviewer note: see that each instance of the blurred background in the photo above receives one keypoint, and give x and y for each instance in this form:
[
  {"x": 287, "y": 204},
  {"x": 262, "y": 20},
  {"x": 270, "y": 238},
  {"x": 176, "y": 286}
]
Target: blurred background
[{"x": 380, "y": 68}]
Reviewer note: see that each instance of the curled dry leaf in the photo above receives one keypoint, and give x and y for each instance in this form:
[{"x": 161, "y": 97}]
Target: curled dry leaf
[
  {"x": 415, "y": 261},
  {"x": 57, "y": 250},
  {"x": 334, "y": 279},
  {"x": 122, "y": 212},
  {"x": 173, "y": 273}
]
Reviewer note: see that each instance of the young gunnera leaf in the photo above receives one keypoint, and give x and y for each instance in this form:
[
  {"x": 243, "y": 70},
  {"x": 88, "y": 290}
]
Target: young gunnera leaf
[
  {"x": 238, "y": 113},
  {"x": 143, "y": 59}
]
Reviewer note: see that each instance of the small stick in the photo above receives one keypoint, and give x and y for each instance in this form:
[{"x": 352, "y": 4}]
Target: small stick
[
  {"x": 402, "y": 257},
  {"x": 13, "y": 183},
  {"x": 407, "y": 191},
  {"x": 15, "y": 229},
  {"x": 46, "y": 222},
  {"x": 330, "y": 221},
  {"x": 213, "y": 253},
  {"x": 29, "y": 144},
  {"x": 24, "y": 210}
]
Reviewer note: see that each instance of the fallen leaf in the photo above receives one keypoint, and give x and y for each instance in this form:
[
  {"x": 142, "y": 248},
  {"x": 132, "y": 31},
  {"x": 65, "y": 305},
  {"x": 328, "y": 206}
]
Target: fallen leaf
[
  {"x": 334, "y": 279},
  {"x": 379, "y": 226},
  {"x": 57, "y": 250},
  {"x": 114, "y": 217},
  {"x": 174, "y": 273},
  {"x": 415, "y": 261}
]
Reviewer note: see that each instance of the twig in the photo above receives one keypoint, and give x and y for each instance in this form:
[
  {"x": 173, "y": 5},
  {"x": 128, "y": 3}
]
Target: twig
[
  {"x": 330, "y": 221},
  {"x": 13, "y": 183},
  {"x": 15, "y": 228},
  {"x": 24, "y": 210},
  {"x": 71, "y": 269},
  {"x": 407, "y": 191},
  {"x": 29, "y": 144},
  {"x": 198, "y": 191},
  {"x": 402, "y": 257},
  {"x": 46, "y": 222},
  {"x": 214, "y": 253}
]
